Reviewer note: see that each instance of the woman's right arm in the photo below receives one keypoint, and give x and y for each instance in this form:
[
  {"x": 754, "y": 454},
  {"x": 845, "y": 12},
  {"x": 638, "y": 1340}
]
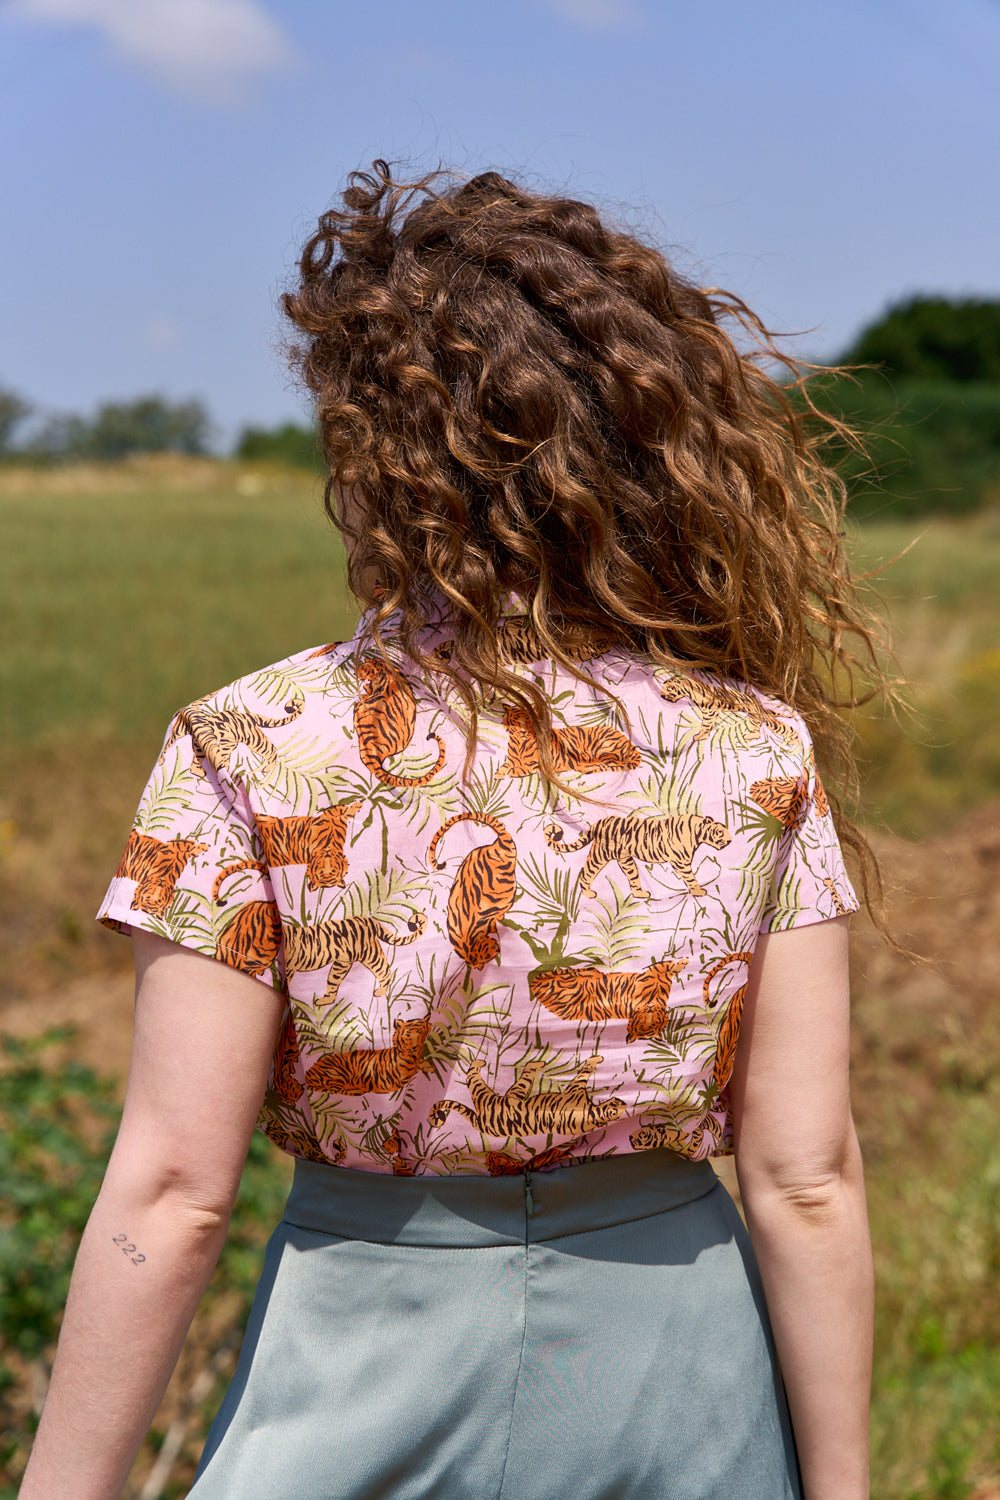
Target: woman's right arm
[
  {"x": 801, "y": 1181},
  {"x": 204, "y": 1035}
]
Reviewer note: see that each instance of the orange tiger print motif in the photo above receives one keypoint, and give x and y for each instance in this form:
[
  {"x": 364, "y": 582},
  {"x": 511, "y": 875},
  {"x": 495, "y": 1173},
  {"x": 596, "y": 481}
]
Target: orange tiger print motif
[
  {"x": 714, "y": 702},
  {"x": 316, "y": 842},
  {"x": 381, "y": 1070},
  {"x": 518, "y": 1112},
  {"x": 784, "y": 797},
  {"x": 393, "y": 1147},
  {"x": 653, "y": 1137},
  {"x": 838, "y": 901},
  {"x": 251, "y": 940},
  {"x": 482, "y": 892},
  {"x": 518, "y": 645},
  {"x": 729, "y": 1031},
  {"x": 342, "y": 944},
  {"x": 592, "y": 995},
  {"x": 155, "y": 867},
  {"x": 502, "y": 1164},
  {"x": 583, "y": 747},
  {"x": 298, "y": 1142},
  {"x": 217, "y": 733},
  {"x": 821, "y": 802},
  {"x": 385, "y": 717},
  {"x": 670, "y": 839},
  {"x": 286, "y": 1055}
]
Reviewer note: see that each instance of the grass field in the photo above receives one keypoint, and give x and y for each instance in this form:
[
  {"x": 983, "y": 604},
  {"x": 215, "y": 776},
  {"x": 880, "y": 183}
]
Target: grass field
[{"x": 126, "y": 593}]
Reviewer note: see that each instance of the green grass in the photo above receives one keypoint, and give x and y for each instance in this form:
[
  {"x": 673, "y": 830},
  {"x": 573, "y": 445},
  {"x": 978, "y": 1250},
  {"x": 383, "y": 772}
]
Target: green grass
[
  {"x": 935, "y": 1216},
  {"x": 121, "y": 604},
  {"x": 127, "y": 593},
  {"x": 944, "y": 606}
]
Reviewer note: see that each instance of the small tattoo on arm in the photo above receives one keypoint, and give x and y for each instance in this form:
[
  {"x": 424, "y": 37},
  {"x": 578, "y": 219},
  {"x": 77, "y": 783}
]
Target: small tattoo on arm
[{"x": 126, "y": 1247}]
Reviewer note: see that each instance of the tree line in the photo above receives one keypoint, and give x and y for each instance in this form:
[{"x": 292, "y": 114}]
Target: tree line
[
  {"x": 147, "y": 424},
  {"x": 924, "y": 396}
]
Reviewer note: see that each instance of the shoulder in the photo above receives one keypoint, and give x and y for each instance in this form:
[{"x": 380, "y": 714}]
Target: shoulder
[
  {"x": 715, "y": 698},
  {"x": 298, "y": 676}
]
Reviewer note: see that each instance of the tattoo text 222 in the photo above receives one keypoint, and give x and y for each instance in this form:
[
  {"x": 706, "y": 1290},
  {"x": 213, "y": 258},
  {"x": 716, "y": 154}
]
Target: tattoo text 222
[{"x": 127, "y": 1248}]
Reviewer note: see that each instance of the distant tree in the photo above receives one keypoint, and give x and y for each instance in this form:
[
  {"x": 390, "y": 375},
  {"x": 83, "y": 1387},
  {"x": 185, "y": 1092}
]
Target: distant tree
[
  {"x": 150, "y": 424},
  {"x": 288, "y": 444},
  {"x": 59, "y": 438},
  {"x": 934, "y": 338},
  {"x": 13, "y": 411}
]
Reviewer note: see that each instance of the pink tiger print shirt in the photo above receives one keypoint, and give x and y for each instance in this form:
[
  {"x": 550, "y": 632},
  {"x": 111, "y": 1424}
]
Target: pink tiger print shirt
[{"x": 484, "y": 975}]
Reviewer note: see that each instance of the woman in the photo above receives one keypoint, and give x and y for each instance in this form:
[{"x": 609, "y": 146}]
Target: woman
[{"x": 505, "y": 916}]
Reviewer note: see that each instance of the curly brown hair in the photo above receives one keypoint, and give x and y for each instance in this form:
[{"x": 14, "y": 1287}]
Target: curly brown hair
[{"x": 514, "y": 396}]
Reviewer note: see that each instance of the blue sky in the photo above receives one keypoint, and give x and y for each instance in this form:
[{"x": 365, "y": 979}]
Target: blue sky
[{"x": 162, "y": 160}]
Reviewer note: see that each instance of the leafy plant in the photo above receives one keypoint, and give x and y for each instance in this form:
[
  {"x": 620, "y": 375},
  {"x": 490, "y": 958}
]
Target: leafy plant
[{"x": 57, "y": 1124}]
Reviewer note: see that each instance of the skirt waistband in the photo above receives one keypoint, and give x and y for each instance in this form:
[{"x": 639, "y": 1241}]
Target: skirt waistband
[{"x": 472, "y": 1211}]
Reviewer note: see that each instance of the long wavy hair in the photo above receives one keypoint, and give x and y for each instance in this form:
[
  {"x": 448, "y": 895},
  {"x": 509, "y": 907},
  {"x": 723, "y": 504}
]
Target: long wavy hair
[{"x": 515, "y": 397}]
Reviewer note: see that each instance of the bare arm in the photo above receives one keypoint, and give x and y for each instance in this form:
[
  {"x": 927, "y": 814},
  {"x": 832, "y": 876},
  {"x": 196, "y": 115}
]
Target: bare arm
[
  {"x": 801, "y": 1180},
  {"x": 204, "y": 1035}
]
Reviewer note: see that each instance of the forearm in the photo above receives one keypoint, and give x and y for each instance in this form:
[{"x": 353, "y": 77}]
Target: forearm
[
  {"x": 814, "y": 1253},
  {"x": 125, "y": 1322}
]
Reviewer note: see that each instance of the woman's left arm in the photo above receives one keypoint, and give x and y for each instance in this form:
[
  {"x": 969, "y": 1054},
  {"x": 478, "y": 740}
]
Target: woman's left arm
[{"x": 204, "y": 1036}]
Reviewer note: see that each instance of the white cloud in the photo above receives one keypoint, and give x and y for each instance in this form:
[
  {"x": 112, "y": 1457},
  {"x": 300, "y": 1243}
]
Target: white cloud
[
  {"x": 161, "y": 333},
  {"x": 599, "y": 15},
  {"x": 208, "y": 48}
]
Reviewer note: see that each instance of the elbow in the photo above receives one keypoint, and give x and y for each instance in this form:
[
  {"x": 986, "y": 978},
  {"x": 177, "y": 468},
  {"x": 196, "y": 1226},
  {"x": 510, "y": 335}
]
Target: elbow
[
  {"x": 813, "y": 1190},
  {"x": 816, "y": 1202},
  {"x": 195, "y": 1202}
]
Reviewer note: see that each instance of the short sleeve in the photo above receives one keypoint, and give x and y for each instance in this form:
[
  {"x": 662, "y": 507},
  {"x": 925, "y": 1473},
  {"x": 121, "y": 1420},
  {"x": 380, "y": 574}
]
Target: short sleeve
[
  {"x": 193, "y": 869},
  {"x": 810, "y": 881}
]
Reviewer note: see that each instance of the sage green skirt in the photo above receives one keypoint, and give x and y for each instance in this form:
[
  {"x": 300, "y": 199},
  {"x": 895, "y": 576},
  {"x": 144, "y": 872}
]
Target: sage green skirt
[{"x": 595, "y": 1333}]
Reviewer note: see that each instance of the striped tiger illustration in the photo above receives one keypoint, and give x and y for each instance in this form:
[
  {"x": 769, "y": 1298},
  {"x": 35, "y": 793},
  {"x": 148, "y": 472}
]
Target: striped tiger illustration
[
  {"x": 783, "y": 797},
  {"x": 155, "y": 866},
  {"x": 316, "y": 842},
  {"x": 702, "y": 1141},
  {"x": 482, "y": 892},
  {"x": 251, "y": 940},
  {"x": 839, "y": 905},
  {"x": 299, "y": 1142},
  {"x": 820, "y": 801},
  {"x": 284, "y": 1078},
  {"x": 670, "y": 839},
  {"x": 713, "y": 702},
  {"x": 217, "y": 733},
  {"x": 393, "y": 1148},
  {"x": 729, "y": 1031},
  {"x": 502, "y": 1164},
  {"x": 518, "y": 1112},
  {"x": 583, "y": 747},
  {"x": 518, "y": 645},
  {"x": 343, "y": 943},
  {"x": 379, "y": 1070},
  {"x": 385, "y": 717},
  {"x": 592, "y": 995}
]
